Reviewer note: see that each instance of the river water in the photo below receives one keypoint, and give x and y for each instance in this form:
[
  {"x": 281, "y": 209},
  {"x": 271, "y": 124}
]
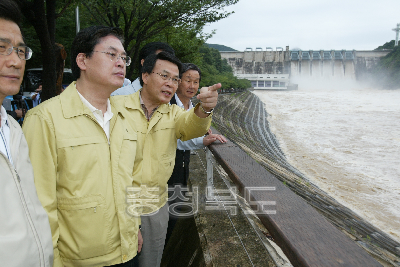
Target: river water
[{"x": 346, "y": 140}]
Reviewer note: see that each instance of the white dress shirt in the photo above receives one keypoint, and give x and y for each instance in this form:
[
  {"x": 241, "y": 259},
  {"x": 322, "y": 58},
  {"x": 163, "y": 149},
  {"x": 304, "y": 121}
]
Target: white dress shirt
[
  {"x": 104, "y": 121},
  {"x": 128, "y": 89}
]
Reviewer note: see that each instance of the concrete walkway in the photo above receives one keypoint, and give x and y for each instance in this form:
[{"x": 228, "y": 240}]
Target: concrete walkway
[{"x": 220, "y": 233}]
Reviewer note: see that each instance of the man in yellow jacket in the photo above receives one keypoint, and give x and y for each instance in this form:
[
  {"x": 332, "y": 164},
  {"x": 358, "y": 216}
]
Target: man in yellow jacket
[
  {"x": 82, "y": 152},
  {"x": 159, "y": 126}
]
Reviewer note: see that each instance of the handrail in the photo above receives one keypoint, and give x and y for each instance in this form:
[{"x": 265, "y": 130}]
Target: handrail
[{"x": 304, "y": 235}]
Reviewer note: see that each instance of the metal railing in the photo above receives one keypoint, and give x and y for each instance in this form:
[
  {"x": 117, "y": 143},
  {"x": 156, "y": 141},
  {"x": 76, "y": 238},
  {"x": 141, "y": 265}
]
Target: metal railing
[{"x": 303, "y": 234}]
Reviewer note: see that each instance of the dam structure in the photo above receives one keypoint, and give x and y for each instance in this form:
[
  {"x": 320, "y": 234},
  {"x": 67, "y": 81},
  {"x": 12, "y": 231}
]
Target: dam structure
[{"x": 273, "y": 68}]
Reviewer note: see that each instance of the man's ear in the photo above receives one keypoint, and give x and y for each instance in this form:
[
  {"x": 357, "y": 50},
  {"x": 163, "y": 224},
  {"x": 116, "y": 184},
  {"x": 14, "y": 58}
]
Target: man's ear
[
  {"x": 145, "y": 77},
  {"x": 142, "y": 61},
  {"x": 81, "y": 61}
]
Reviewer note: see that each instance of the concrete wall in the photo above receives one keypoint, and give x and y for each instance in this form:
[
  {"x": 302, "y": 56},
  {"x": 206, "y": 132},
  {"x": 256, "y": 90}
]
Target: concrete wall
[
  {"x": 258, "y": 62},
  {"x": 365, "y": 61}
]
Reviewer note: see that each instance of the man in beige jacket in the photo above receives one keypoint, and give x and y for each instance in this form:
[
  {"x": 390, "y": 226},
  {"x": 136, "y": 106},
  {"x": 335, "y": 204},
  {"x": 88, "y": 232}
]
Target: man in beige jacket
[{"x": 25, "y": 236}]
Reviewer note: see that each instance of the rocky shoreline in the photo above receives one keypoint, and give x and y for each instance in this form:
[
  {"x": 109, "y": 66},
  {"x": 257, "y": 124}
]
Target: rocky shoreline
[{"x": 242, "y": 118}]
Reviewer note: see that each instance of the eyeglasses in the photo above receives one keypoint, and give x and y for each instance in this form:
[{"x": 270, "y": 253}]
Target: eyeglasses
[
  {"x": 166, "y": 77},
  {"x": 194, "y": 81},
  {"x": 115, "y": 57},
  {"x": 23, "y": 51}
]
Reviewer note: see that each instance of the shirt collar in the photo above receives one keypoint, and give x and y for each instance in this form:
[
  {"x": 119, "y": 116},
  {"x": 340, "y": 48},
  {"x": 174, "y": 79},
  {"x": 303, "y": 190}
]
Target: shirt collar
[
  {"x": 180, "y": 104},
  {"x": 145, "y": 110},
  {"x": 108, "y": 112}
]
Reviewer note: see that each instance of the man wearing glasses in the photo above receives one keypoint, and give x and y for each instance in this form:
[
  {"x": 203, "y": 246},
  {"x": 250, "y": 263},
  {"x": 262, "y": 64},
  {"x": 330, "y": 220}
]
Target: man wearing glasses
[
  {"x": 82, "y": 152},
  {"x": 25, "y": 236},
  {"x": 159, "y": 126},
  {"x": 147, "y": 49}
]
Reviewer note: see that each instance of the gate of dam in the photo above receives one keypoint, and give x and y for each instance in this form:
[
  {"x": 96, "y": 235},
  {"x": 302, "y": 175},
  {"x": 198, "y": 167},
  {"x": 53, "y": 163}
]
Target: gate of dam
[{"x": 272, "y": 69}]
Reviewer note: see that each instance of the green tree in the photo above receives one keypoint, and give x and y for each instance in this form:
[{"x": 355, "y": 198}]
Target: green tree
[
  {"x": 65, "y": 34},
  {"x": 186, "y": 42},
  {"x": 387, "y": 72},
  {"x": 387, "y": 45},
  {"x": 42, "y": 15},
  {"x": 217, "y": 70},
  {"x": 142, "y": 20}
]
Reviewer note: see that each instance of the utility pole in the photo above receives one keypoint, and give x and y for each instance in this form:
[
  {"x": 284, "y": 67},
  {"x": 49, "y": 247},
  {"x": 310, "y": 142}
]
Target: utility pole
[
  {"x": 78, "y": 24},
  {"x": 397, "y": 30}
]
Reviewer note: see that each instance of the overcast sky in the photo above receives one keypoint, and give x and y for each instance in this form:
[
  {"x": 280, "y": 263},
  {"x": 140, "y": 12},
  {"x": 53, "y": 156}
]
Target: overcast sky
[{"x": 308, "y": 24}]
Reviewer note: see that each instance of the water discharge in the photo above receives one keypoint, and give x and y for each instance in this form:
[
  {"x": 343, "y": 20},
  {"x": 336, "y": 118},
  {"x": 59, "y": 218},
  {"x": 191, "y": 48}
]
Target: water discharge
[{"x": 346, "y": 140}]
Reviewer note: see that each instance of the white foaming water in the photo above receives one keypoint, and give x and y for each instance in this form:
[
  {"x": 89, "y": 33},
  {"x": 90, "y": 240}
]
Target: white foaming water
[{"x": 347, "y": 142}]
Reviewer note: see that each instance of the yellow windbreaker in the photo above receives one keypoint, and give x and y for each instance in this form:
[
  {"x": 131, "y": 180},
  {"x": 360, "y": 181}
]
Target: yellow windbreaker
[
  {"x": 81, "y": 180},
  {"x": 156, "y": 146}
]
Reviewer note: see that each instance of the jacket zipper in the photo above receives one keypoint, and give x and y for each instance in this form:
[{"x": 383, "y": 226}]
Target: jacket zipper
[
  {"x": 90, "y": 117},
  {"x": 108, "y": 140},
  {"x": 35, "y": 234}
]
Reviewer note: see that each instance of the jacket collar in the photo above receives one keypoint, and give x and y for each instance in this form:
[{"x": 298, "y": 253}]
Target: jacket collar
[
  {"x": 72, "y": 106},
  {"x": 132, "y": 101}
]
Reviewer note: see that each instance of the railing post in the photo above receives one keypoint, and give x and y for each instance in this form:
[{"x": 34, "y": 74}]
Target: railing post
[{"x": 209, "y": 173}]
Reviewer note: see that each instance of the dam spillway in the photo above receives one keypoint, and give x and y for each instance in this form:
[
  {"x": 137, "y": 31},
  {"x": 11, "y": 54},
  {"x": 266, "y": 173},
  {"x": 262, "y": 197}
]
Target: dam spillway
[{"x": 311, "y": 64}]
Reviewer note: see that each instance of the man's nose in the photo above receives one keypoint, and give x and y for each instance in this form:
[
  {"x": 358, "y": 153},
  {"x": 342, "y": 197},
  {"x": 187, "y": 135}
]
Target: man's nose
[
  {"x": 14, "y": 60},
  {"x": 120, "y": 62},
  {"x": 170, "y": 82}
]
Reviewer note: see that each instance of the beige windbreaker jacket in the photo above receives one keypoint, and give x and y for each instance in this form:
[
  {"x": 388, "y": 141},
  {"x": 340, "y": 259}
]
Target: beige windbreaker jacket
[
  {"x": 25, "y": 237},
  {"x": 81, "y": 180}
]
